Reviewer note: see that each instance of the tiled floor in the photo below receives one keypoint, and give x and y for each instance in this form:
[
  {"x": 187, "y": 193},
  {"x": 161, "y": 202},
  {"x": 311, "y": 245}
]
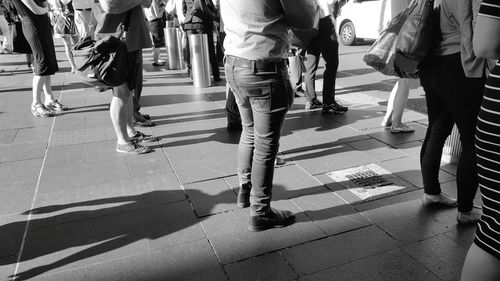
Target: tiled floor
[{"x": 73, "y": 209}]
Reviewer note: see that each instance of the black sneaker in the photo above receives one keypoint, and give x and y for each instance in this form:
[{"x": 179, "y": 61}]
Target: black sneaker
[
  {"x": 271, "y": 219},
  {"x": 334, "y": 108},
  {"x": 142, "y": 137},
  {"x": 243, "y": 200},
  {"x": 315, "y": 103}
]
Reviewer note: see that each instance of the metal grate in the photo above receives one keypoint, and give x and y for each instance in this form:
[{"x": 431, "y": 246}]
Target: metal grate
[{"x": 368, "y": 179}]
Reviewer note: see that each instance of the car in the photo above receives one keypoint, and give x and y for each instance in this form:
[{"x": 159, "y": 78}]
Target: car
[{"x": 362, "y": 19}]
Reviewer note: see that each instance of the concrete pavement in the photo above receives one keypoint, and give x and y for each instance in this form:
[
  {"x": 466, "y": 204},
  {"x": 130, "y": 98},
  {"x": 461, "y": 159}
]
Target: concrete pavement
[{"x": 71, "y": 208}]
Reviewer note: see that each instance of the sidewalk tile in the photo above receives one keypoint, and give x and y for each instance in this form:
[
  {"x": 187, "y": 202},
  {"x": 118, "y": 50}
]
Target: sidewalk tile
[
  {"x": 384, "y": 135},
  {"x": 12, "y": 229},
  {"x": 441, "y": 255},
  {"x": 450, "y": 188},
  {"x": 411, "y": 149},
  {"x": 463, "y": 235},
  {"x": 332, "y": 214},
  {"x": 390, "y": 265},
  {"x": 291, "y": 181},
  {"x": 267, "y": 267},
  {"x": 22, "y": 151},
  {"x": 169, "y": 225},
  {"x": 409, "y": 222},
  {"x": 376, "y": 149},
  {"x": 233, "y": 242},
  {"x": 328, "y": 158},
  {"x": 211, "y": 197},
  {"x": 334, "y": 250},
  {"x": 32, "y": 134},
  {"x": 86, "y": 135},
  {"x": 7, "y": 136},
  {"x": 408, "y": 168}
]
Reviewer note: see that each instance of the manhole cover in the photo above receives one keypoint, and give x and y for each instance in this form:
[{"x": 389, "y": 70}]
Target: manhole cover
[
  {"x": 368, "y": 179},
  {"x": 369, "y": 182}
]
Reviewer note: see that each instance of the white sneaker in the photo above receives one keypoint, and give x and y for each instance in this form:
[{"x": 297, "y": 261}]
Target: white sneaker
[{"x": 441, "y": 199}]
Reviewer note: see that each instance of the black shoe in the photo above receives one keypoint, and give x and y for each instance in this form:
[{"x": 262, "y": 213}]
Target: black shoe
[
  {"x": 243, "y": 200},
  {"x": 271, "y": 219},
  {"x": 334, "y": 108},
  {"x": 144, "y": 123},
  {"x": 315, "y": 103}
]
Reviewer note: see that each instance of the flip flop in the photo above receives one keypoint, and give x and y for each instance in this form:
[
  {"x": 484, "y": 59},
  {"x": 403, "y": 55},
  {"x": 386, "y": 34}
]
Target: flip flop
[{"x": 403, "y": 129}]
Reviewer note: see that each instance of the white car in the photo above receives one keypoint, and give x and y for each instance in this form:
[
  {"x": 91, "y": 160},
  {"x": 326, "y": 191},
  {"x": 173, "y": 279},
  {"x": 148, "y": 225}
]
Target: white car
[{"x": 362, "y": 19}]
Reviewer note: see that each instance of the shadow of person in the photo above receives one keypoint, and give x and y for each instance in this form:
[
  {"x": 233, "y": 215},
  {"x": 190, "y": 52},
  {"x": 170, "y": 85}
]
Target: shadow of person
[{"x": 120, "y": 222}]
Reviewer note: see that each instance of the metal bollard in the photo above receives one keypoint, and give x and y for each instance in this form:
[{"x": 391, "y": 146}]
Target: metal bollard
[
  {"x": 173, "y": 39},
  {"x": 200, "y": 61},
  {"x": 452, "y": 147}
]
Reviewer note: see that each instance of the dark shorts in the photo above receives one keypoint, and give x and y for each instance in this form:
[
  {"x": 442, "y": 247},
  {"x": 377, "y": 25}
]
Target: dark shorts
[{"x": 156, "y": 27}]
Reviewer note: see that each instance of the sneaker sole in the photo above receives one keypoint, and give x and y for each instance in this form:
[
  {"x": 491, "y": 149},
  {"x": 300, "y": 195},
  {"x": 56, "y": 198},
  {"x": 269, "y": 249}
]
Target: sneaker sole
[{"x": 133, "y": 152}]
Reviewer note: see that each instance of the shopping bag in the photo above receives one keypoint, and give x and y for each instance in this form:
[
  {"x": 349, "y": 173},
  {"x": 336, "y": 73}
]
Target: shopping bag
[{"x": 382, "y": 53}]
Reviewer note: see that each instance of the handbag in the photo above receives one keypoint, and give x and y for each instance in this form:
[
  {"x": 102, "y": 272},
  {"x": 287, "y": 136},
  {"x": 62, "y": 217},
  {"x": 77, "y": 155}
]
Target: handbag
[
  {"x": 382, "y": 52},
  {"x": 104, "y": 60},
  {"x": 418, "y": 36},
  {"x": 19, "y": 42}
]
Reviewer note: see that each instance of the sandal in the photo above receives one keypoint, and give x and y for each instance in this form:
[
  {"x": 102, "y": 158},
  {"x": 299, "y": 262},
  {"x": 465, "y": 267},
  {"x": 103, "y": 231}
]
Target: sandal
[
  {"x": 56, "y": 106},
  {"x": 39, "y": 110},
  {"x": 403, "y": 129},
  {"x": 142, "y": 137}
]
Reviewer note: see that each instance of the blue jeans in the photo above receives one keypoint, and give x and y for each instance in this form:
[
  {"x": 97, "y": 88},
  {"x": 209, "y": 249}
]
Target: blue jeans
[{"x": 264, "y": 94}]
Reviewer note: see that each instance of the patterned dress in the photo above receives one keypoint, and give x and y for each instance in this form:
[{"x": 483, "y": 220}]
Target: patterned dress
[{"x": 488, "y": 152}]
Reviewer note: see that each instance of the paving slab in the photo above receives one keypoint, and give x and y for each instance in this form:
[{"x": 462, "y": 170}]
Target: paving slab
[
  {"x": 409, "y": 221},
  {"x": 392, "y": 265},
  {"x": 22, "y": 151},
  {"x": 441, "y": 255},
  {"x": 323, "y": 159},
  {"x": 266, "y": 267},
  {"x": 330, "y": 213},
  {"x": 334, "y": 250},
  {"x": 292, "y": 181},
  {"x": 8, "y": 136},
  {"x": 211, "y": 197},
  {"x": 377, "y": 149},
  {"x": 191, "y": 261},
  {"x": 32, "y": 134},
  {"x": 235, "y": 243}
]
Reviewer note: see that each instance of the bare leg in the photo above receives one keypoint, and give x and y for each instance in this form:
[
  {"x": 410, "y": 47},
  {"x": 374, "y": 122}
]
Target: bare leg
[
  {"x": 38, "y": 82},
  {"x": 47, "y": 89},
  {"x": 480, "y": 266},
  {"x": 130, "y": 120},
  {"x": 399, "y": 102},
  {"x": 156, "y": 55},
  {"x": 119, "y": 112},
  {"x": 67, "y": 47}
]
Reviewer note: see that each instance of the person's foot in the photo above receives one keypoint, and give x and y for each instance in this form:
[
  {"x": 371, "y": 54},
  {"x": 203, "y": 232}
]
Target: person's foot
[
  {"x": 299, "y": 92},
  {"x": 132, "y": 147},
  {"x": 334, "y": 108},
  {"x": 243, "y": 199},
  {"x": 279, "y": 161},
  {"x": 102, "y": 88},
  {"x": 56, "y": 106},
  {"x": 142, "y": 137},
  {"x": 39, "y": 110},
  {"x": 144, "y": 123},
  {"x": 159, "y": 63},
  {"x": 438, "y": 200},
  {"x": 315, "y": 103},
  {"x": 401, "y": 129},
  {"x": 271, "y": 219},
  {"x": 467, "y": 218}
]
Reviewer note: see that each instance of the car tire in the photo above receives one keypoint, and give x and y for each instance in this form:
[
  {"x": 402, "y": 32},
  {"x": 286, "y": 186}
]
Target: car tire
[{"x": 347, "y": 34}]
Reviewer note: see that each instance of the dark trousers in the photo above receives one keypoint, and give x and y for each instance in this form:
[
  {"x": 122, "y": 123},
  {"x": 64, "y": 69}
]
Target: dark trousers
[
  {"x": 325, "y": 44},
  {"x": 452, "y": 98},
  {"x": 264, "y": 95},
  {"x": 135, "y": 77},
  {"x": 211, "y": 49}
]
